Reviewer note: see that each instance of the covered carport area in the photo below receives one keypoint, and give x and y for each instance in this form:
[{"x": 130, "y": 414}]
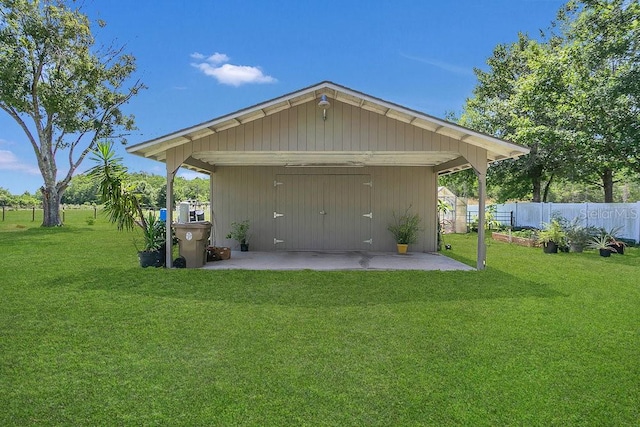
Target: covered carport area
[{"x": 332, "y": 139}]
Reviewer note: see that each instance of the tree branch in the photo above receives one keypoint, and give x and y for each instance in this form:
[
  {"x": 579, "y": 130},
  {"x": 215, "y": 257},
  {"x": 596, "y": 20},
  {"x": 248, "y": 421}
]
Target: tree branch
[{"x": 13, "y": 113}]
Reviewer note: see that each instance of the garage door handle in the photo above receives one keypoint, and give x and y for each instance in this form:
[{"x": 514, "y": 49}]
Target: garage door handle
[{"x": 323, "y": 213}]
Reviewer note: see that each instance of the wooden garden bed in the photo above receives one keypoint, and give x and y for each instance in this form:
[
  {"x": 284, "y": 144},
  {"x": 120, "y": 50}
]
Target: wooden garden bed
[{"x": 521, "y": 241}]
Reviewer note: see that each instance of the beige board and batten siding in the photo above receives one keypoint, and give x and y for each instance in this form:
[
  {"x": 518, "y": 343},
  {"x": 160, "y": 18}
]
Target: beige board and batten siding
[
  {"x": 347, "y": 129},
  {"x": 246, "y": 191},
  {"x": 252, "y": 193}
]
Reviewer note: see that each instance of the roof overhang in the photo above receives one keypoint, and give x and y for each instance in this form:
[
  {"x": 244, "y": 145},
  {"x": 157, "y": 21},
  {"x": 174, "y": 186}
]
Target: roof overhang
[{"x": 497, "y": 149}]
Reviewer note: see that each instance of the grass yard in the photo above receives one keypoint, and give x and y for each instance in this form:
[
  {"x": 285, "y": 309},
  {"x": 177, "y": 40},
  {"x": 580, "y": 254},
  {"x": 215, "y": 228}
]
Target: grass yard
[{"x": 87, "y": 337}]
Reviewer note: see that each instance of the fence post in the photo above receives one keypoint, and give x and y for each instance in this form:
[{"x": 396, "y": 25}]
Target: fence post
[
  {"x": 33, "y": 214},
  {"x": 637, "y": 213},
  {"x": 95, "y": 212},
  {"x": 586, "y": 213},
  {"x": 3, "y": 213},
  {"x": 63, "y": 214}
]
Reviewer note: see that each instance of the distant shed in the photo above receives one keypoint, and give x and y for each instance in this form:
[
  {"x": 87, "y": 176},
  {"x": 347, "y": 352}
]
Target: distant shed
[{"x": 455, "y": 220}]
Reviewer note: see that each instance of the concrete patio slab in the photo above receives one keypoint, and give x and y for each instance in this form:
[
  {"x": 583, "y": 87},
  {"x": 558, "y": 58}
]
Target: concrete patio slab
[{"x": 348, "y": 260}]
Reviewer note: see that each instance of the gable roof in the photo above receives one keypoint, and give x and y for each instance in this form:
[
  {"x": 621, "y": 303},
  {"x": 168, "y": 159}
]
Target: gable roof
[{"x": 497, "y": 149}]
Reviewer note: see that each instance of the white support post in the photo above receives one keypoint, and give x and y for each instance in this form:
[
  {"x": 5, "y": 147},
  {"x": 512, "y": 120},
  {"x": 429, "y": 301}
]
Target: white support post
[
  {"x": 169, "y": 219},
  {"x": 482, "y": 248}
]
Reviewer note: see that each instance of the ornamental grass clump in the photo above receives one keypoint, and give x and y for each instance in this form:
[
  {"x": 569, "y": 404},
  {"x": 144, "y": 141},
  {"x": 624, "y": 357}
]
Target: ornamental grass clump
[{"x": 405, "y": 228}]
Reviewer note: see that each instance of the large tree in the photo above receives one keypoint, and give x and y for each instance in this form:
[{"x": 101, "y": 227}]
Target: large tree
[
  {"x": 603, "y": 46},
  {"x": 516, "y": 99},
  {"x": 65, "y": 92}
]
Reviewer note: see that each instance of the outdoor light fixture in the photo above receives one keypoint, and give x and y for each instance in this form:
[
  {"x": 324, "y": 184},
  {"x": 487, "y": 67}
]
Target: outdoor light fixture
[{"x": 324, "y": 104}]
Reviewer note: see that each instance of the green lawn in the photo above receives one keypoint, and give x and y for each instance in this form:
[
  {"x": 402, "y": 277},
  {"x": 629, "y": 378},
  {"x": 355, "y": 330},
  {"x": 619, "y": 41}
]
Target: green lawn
[{"x": 89, "y": 338}]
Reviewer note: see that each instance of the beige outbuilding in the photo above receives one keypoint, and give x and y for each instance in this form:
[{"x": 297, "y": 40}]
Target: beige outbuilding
[{"x": 325, "y": 168}]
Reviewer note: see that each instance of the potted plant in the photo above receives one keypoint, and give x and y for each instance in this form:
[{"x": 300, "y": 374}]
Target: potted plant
[
  {"x": 240, "y": 232},
  {"x": 405, "y": 229},
  {"x": 614, "y": 242},
  {"x": 552, "y": 237},
  {"x": 579, "y": 236},
  {"x": 154, "y": 250},
  {"x": 602, "y": 243},
  {"x": 122, "y": 205}
]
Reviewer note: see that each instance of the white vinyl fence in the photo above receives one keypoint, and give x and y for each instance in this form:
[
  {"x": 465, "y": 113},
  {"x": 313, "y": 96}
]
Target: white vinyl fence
[{"x": 605, "y": 215}]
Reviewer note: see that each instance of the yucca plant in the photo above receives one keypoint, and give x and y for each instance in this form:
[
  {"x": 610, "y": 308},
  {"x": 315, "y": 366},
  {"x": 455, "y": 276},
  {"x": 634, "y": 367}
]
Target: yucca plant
[
  {"x": 121, "y": 202},
  {"x": 603, "y": 244}
]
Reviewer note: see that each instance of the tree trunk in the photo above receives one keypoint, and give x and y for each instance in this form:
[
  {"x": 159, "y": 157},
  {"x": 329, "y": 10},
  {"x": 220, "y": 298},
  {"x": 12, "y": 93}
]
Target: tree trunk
[
  {"x": 546, "y": 189},
  {"x": 607, "y": 185},
  {"x": 51, "y": 207},
  {"x": 536, "y": 190}
]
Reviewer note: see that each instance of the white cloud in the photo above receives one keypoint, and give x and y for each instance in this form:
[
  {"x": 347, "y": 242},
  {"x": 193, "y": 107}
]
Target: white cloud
[
  {"x": 9, "y": 161},
  {"x": 452, "y": 68},
  {"x": 218, "y": 58},
  {"x": 229, "y": 74}
]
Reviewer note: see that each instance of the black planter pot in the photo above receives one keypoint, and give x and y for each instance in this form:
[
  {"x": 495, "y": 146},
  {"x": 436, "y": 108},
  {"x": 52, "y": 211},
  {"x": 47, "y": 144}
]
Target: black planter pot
[
  {"x": 605, "y": 252},
  {"x": 151, "y": 258},
  {"x": 244, "y": 247},
  {"x": 550, "y": 248},
  {"x": 618, "y": 247}
]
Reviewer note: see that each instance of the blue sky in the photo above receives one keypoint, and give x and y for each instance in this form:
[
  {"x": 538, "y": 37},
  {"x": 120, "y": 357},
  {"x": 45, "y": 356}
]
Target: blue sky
[{"x": 205, "y": 58}]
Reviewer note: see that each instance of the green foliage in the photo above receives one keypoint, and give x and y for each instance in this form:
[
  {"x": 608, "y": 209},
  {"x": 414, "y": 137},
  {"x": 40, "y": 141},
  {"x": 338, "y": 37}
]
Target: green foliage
[
  {"x": 24, "y": 200},
  {"x": 462, "y": 184},
  {"x": 604, "y": 53},
  {"x": 552, "y": 232},
  {"x": 239, "y": 231},
  {"x": 154, "y": 233},
  {"x": 83, "y": 189},
  {"x": 573, "y": 98},
  {"x": 528, "y": 234},
  {"x": 515, "y": 100},
  {"x": 578, "y": 235},
  {"x": 601, "y": 242},
  {"x": 490, "y": 220},
  {"x": 63, "y": 91},
  {"x": 443, "y": 209},
  {"x": 405, "y": 228},
  {"x": 151, "y": 189},
  {"x": 121, "y": 203}
]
